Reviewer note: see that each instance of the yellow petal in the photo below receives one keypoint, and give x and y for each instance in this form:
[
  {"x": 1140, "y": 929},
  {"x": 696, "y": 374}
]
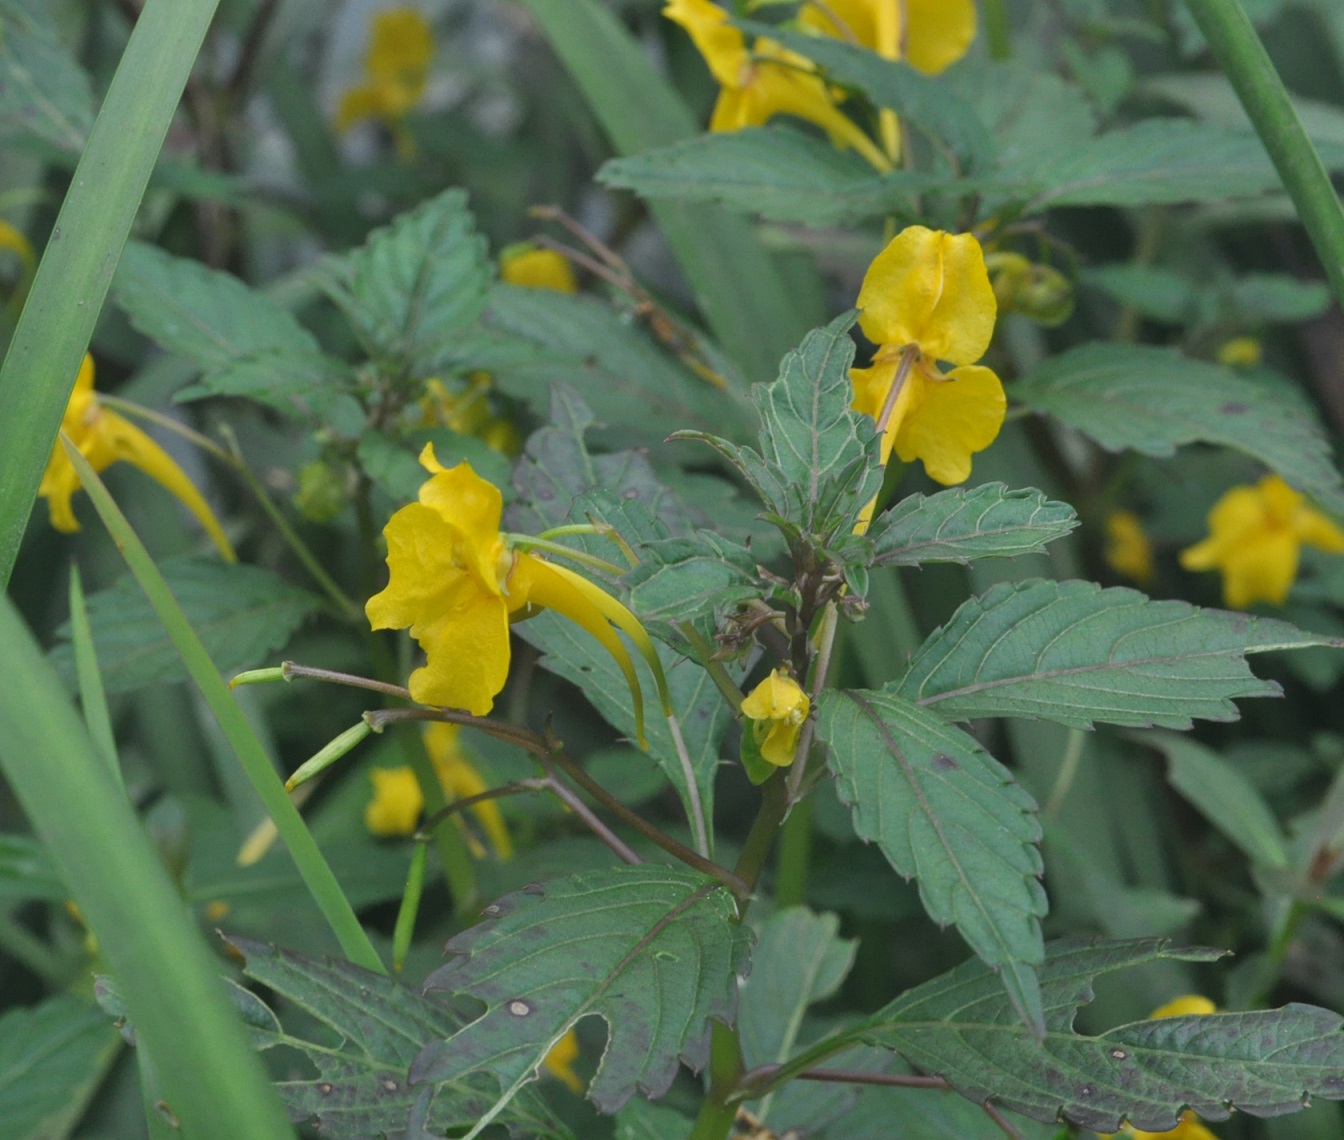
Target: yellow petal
[
  {"x": 930, "y": 288},
  {"x": 958, "y": 417},
  {"x": 538, "y": 269},
  {"x": 1182, "y": 1006},
  {"x": 559, "y": 1062},
  {"x": 397, "y": 802},
  {"x": 472, "y": 507},
  {"x": 938, "y": 32},
  {"x": 871, "y": 386},
  {"x": 460, "y": 779},
  {"x": 722, "y": 45},
  {"x": 14, "y": 241},
  {"x": 1128, "y": 551},
  {"x": 401, "y": 46},
  {"x": 1315, "y": 529},
  {"x": 854, "y": 21},
  {"x": 777, "y": 707},
  {"x": 1261, "y": 570},
  {"x": 365, "y": 101}
]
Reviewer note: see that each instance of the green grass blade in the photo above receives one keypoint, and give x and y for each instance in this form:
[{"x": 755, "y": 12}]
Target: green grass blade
[
  {"x": 211, "y": 1077},
  {"x": 92, "y": 698},
  {"x": 67, "y": 294},
  {"x": 738, "y": 285},
  {"x": 317, "y": 875},
  {"x": 1243, "y": 58}
]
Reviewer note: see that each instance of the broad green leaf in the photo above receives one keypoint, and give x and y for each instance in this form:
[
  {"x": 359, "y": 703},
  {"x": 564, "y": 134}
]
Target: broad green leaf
[
  {"x": 959, "y": 1026},
  {"x": 209, "y": 317},
  {"x": 1209, "y": 96},
  {"x": 685, "y": 579},
  {"x": 241, "y": 613},
  {"x": 52, "y": 1058},
  {"x": 957, "y": 525},
  {"x": 774, "y": 172},
  {"x": 1152, "y": 291},
  {"x": 1152, "y": 400},
  {"x": 44, "y": 93},
  {"x": 360, "y": 1088},
  {"x": 1278, "y": 297},
  {"x": 541, "y": 336},
  {"x": 415, "y": 285},
  {"x": 640, "y": 1120},
  {"x": 817, "y": 465},
  {"x": 1157, "y": 162},
  {"x": 26, "y": 871},
  {"x": 1222, "y": 795},
  {"x": 655, "y": 951},
  {"x": 306, "y": 383},
  {"x": 1078, "y": 654},
  {"x": 928, "y": 102},
  {"x": 947, "y": 813},
  {"x": 395, "y": 466}
]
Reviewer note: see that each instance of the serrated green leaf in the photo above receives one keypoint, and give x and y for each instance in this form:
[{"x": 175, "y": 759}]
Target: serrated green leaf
[
  {"x": 361, "y": 1089},
  {"x": 1152, "y": 400},
  {"x": 52, "y": 1057},
  {"x": 1152, "y": 291},
  {"x": 928, "y": 102},
  {"x": 640, "y": 1120},
  {"x": 541, "y": 336},
  {"x": 947, "y": 813},
  {"x": 1158, "y": 162},
  {"x": 414, "y": 286},
  {"x": 209, "y": 317},
  {"x": 960, "y": 1027},
  {"x": 773, "y": 172},
  {"x": 395, "y": 466},
  {"x": 1210, "y": 96},
  {"x": 26, "y": 871},
  {"x": 685, "y": 579},
  {"x": 240, "y": 612},
  {"x": 44, "y": 93},
  {"x": 1222, "y": 795},
  {"x": 654, "y": 951},
  {"x": 1078, "y": 654},
  {"x": 306, "y": 383},
  {"x": 957, "y": 525}
]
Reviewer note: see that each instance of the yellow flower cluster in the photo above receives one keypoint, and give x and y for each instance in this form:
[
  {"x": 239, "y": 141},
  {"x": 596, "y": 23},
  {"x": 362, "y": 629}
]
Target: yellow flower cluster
[
  {"x": 777, "y": 708},
  {"x": 396, "y": 72}
]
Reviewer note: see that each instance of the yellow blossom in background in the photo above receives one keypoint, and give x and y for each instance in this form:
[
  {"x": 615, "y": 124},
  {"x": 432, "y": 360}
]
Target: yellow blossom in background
[
  {"x": 766, "y": 81},
  {"x": 1128, "y": 551},
  {"x": 12, "y": 241},
  {"x": 559, "y": 1062},
  {"x": 105, "y": 438},
  {"x": 456, "y": 583},
  {"x": 936, "y": 34},
  {"x": 777, "y": 708},
  {"x": 927, "y": 298},
  {"x": 396, "y": 71},
  {"x": 1255, "y": 538},
  {"x": 1189, "y": 1127},
  {"x": 1240, "y": 352},
  {"x": 397, "y": 802},
  {"x": 532, "y": 268}
]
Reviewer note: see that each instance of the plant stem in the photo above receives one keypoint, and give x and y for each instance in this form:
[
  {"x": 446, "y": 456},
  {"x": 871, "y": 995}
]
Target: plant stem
[
  {"x": 725, "y": 1071},
  {"x": 795, "y": 849},
  {"x": 1242, "y": 56},
  {"x": 996, "y": 30}
]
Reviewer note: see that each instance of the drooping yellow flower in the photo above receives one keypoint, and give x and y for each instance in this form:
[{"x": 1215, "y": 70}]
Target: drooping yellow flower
[
  {"x": 1255, "y": 538},
  {"x": 559, "y": 1062},
  {"x": 396, "y": 71},
  {"x": 1128, "y": 551},
  {"x": 777, "y": 708},
  {"x": 105, "y": 438},
  {"x": 1189, "y": 1127},
  {"x": 766, "y": 81},
  {"x": 397, "y": 802},
  {"x": 936, "y": 34},
  {"x": 456, "y": 583},
  {"x": 926, "y": 298},
  {"x": 531, "y": 267}
]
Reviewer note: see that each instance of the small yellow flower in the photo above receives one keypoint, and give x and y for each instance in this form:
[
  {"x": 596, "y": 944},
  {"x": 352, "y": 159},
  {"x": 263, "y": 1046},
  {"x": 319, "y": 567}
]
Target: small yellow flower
[
  {"x": 1255, "y": 538},
  {"x": 1128, "y": 551},
  {"x": 397, "y": 802},
  {"x": 559, "y": 1062},
  {"x": 14, "y": 242},
  {"x": 1240, "y": 352},
  {"x": 459, "y": 779},
  {"x": 936, "y": 34},
  {"x": 105, "y": 438},
  {"x": 396, "y": 71},
  {"x": 926, "y": 298},
  {"x": 766, "y": 81},
  {"x": 456, "y": 583},
  {"x": 777, "y": 708},
  {"x": 1189, "y": 1127},
  {"x": 530, "y": 267}
]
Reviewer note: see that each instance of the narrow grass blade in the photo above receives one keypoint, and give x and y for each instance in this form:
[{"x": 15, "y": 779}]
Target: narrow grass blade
[
  {"x": 211, "y": 1077},
  {"x": 92, "y": 698},
  {"x": 67, "y": 295},
  {"x": 326, "y": 891}
]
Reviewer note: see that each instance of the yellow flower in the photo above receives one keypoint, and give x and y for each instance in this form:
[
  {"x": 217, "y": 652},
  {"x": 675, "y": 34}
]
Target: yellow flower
[
  {"x": 777, "y": 708},
  {"x": 14, "y": 241},
  {"x": 532, "y": 268},
  {"x": 1255, "y": 538},
  {"x": 1189, "y": 1127},
  {"x": 1128, "y": 551},
  {"x": 559, "y": 1062},
  {"x": 766, "y": 81},
  {"x": 456, "y": 583},
  {"x": 104, "y": 438},
  {"x": 1240, "y": 351},
  {"x": 936, "y": 34},
  {"x": 396, "y": 71},
  {"x": 926, "y": 298},
  {"x": 397, "y": 802}
]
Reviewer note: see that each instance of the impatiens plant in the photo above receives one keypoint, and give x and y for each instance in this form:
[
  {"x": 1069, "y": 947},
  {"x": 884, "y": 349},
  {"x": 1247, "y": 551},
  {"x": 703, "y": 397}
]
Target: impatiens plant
[{"x": 682, "y": 672}]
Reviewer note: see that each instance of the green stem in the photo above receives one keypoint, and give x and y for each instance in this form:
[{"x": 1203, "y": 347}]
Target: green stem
[
  {"x": 26, "y": 948},
  {"x": 560, "y": 550},
  {"x": 795, "y": 850},
  {"x": 1243, "y": 58},
  {"x": 716, "y": 1117},
  {"x": 997, "y": 31}
]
